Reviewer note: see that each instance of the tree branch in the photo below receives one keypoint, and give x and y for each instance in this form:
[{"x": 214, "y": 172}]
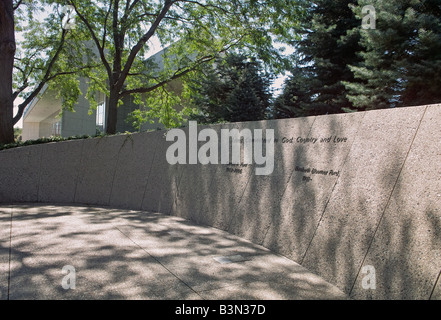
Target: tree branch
[
  {"x": 179, "y": 73},
  {"x": 22, "y": 106},
  {"x": 95, "y": 39},
  {"x": 52, "y": 77},
  {"x": 105, "y": 25},
  {"x": 18, "y": 4},
  {"x": 181, "y": 19},
  {"x": 205, "y": 6},
  {"x": 118, "y": 40},
  {"x": 25, "y": 81},
  {"x": 45, "y": 78},
  {"x": 142, "y": 41},
  {"x": 19, "y": 90},
  {"x": 129, "y": 9}
]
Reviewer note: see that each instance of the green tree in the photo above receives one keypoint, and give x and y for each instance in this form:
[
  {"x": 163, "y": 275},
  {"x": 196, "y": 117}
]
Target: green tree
[
  {"x": 7, "y": 51},
  {"x": 197, "y": 32},
  {"x": 401, "y": 58},
  {"x": 323, "y": 55},
  {"x": 297, "y": 96},
  {"x": 233, "y": 89},
  {"x": 119, "y": 32},
  {"x": 47, "y": 52},
  {"x": 17, "y": 134}
]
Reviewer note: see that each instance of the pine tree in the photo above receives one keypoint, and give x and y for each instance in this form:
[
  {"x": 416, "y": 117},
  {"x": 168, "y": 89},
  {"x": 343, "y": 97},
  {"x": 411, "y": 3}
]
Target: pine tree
[
  {"x": 234, "y": 89},
  {"x": 401, "y": 63},
  {"x": 423, "y": 79},
  {"x": 296, "y": 98},
  {"x": 323, "y": 54}
]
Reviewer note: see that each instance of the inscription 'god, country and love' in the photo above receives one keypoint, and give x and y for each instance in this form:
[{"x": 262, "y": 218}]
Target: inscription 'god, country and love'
[{"x": 334, "y": 139}]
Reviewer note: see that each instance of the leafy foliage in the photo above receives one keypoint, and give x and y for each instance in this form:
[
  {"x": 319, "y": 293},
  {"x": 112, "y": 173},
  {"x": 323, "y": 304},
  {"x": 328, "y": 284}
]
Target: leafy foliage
[
  {"x": 196, "y": 32},
  {"x": 40, "y": 141},
  {"x": 47, "y": 53}
]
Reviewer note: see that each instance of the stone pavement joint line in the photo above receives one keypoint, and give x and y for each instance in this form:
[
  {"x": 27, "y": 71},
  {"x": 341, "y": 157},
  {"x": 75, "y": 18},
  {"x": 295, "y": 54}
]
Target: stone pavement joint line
[
  {"x": 165, "y": 267},
  {"x": 80, "y": 252}
]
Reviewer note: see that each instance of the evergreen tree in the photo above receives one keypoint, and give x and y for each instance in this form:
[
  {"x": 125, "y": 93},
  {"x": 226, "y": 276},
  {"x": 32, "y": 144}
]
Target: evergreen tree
[
  {"x": 323, "y": 54},
  {"x": 401, "y": 63},
  {"x": 296, "y": 98},
  {"x": 234, "y": 89}
]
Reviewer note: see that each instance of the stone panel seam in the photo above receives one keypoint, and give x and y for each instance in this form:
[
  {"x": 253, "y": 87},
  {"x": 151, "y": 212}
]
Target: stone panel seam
[
  {"x": 148, "y": 175},
  {"x": 10, "y": 254},
  {"x": 286, "y": 185},
  {"x": 236, "y": 209},
  {"x": 104, "y": 140},
  {"x": 159, "y": 262},
  {"x": 116, "y": 168},
  {"x": 435, "y": 285},
  {"x": 175, "y": 191},
  {"x": 79, "y": 170},
  {"x": 360, "y": 124},
  {"x": 39, "y": 172},
  {"x": 388, "y": 200}
]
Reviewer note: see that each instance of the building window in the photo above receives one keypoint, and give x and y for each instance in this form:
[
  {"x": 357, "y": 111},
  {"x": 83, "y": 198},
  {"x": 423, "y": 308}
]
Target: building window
[
  {"x": 56, "y": 128},
  {"x": 100, "y": 116}
]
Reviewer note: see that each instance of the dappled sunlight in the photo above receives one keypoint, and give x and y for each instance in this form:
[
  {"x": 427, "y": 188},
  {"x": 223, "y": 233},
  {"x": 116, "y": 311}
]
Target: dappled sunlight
[
  {"x": 347, "y": 192},
  {"x": 118, "y": 254}
]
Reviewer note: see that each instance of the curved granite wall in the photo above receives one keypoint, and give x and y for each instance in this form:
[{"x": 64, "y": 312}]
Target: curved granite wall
[{"x": 355, "y": 198}]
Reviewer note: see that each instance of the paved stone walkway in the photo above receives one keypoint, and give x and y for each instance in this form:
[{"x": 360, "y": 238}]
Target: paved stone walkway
[{"x": 71, "y": 252}]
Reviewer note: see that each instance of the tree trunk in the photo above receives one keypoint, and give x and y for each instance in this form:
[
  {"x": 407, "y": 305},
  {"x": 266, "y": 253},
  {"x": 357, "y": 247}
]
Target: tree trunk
[
  {"x": 7, "y": 52},
  {"x": 112, "y": 112}
]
